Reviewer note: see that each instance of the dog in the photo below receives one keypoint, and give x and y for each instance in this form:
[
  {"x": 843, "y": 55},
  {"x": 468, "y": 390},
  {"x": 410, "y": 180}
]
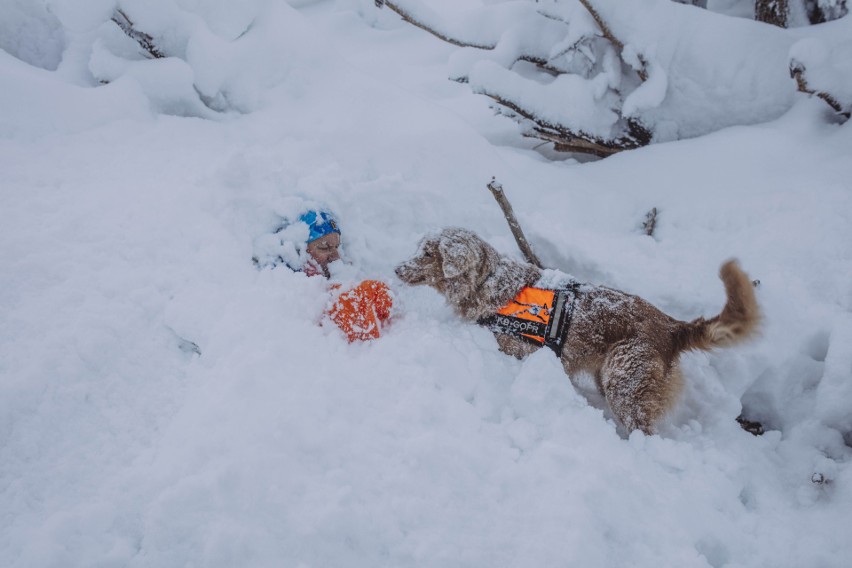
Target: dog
[{"x": 630, "y": 347}]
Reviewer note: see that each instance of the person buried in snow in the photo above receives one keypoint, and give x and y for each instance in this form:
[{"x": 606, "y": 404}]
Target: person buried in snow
[{"x": 360, "y": 312}]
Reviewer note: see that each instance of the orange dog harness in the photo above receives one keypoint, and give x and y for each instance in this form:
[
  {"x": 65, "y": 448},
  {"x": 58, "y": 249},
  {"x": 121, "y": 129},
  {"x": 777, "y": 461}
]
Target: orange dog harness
[{"x": 536, "y": 315}]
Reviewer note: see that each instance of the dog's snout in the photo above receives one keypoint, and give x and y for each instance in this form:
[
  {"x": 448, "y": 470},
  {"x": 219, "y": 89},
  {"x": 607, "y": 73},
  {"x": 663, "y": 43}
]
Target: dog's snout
[
  {"x": 402, "y": 271},
  {"x": 409, "y": 273}
]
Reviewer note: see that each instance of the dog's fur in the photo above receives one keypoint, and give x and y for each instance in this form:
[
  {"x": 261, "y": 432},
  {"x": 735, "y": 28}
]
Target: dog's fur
[{"x": 630, "y": 347}]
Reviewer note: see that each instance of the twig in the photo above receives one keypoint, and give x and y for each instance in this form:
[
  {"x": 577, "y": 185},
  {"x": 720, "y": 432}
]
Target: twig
[
  {"x": 797, "y": 72},
  {"x": 750, "y": 426},
  {"x": 509, "y": 214},
  {"x": 144, "y": 40},
  {"x": 650, "y": 222}
]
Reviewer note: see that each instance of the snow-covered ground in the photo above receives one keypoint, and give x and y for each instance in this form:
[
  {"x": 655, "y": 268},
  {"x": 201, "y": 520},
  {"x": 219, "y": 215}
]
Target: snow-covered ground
[{"x": 126, "y": 236}]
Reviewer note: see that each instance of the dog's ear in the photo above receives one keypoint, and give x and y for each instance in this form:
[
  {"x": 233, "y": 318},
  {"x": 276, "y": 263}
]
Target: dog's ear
[{"x": 457, "y": 255}]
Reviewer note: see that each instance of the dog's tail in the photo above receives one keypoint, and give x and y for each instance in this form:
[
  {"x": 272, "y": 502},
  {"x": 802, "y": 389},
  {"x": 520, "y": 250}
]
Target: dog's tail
[{"x": 738, "y": 321}]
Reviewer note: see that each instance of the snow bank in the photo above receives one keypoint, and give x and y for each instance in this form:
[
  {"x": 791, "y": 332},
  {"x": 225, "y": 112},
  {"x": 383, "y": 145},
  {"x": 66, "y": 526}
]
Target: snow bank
[
  {"x": 30, "y": 32},
  {"x": 36, "y": 102}
]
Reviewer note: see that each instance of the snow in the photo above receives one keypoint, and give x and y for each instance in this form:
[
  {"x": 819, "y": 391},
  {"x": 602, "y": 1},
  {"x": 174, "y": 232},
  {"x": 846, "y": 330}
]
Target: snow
[
  {"x": 29, "y": 32},
  {"x": 130, "y": 215},
  {"x": 730, "y": 70}
]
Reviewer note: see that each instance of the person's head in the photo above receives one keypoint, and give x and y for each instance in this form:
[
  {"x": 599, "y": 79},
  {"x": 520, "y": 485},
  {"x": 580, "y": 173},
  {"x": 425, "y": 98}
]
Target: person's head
[{"x": 323, "y": 239}]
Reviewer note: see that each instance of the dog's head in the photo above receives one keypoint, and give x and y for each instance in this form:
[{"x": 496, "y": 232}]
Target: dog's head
[
  {"x": 467, "y": 271},
  {"x": 453, "y": 254}
]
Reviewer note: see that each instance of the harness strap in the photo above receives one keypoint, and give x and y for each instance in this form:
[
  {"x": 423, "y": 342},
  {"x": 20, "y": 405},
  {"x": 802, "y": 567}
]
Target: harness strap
[{"x": 538, "y": 316}]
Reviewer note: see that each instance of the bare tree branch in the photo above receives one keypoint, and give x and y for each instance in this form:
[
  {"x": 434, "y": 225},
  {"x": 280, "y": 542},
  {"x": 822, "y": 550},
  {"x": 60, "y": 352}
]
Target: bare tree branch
[
  {"x": 514, "y": 226},
  {"x": 567, "y": 140},
  {"x": 576, "y": 144},
  {"x": 405, "y": 15},
  {"x": 797, "y": 72},
  {"x": 145, "y": 41},
  {"x": 607, "y": 33}
]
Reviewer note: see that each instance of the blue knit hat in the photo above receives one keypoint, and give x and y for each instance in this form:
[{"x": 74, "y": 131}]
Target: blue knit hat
[{"x": 320, "y": 224}]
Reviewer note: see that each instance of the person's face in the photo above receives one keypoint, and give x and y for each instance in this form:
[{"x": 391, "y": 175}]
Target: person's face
[{"x": 324, "y": 250}]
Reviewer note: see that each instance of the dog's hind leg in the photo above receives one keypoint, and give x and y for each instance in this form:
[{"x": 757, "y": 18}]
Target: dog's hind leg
[{"x": 638, "y": 385}]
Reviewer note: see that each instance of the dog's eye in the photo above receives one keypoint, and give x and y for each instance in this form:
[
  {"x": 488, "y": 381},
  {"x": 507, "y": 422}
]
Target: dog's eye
[{"x": 427, "y": 254}]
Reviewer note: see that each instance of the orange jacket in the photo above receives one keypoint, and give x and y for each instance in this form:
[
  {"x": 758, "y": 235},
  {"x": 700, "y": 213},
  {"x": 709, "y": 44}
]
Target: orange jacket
[{"x": 361, "y": 311}]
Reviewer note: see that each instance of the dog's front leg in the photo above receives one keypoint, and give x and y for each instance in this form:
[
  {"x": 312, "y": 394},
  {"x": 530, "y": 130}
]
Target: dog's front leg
[{"x": 513, "y": 346}]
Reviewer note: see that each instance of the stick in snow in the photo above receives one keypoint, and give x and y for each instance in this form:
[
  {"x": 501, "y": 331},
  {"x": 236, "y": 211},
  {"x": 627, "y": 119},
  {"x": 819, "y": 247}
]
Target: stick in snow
[
  {"x": 144, "y": 40},
  {"x": 650, "y": 222},
  {"x": 509, "y": 214}
]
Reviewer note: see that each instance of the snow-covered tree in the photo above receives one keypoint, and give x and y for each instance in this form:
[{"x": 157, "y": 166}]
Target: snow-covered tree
[
  {"x": 784, "y": 13},
  {"x": 601, "y": 76}
]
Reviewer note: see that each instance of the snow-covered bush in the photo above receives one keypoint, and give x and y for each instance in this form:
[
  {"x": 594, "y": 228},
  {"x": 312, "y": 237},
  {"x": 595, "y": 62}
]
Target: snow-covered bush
[
  {"x": 30, "y": 32},
  {"x": 188, "y": 57}
]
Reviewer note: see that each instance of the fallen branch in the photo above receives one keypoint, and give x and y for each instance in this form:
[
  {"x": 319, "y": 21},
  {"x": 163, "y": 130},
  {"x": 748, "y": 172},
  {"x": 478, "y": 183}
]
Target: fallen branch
[
  {"x": 797, "y": 72},
  {"x": 145, "y": 41},
  {"x": 569, "y": 141},
  {"x": 405, "y": 15},
  {"x": 497, "y": 191}
]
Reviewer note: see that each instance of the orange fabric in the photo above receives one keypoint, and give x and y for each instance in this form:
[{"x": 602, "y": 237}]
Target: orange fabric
[
  {"x": 361, "y": 311},
  {"x": 533, "y": 304}
]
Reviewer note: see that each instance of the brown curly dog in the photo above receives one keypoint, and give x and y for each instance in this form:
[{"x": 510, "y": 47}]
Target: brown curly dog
[{"x": 630, "y": 347}]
